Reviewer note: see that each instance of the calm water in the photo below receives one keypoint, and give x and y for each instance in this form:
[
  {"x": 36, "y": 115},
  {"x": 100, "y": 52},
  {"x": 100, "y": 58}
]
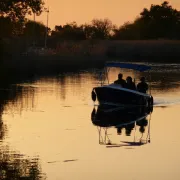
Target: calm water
[{"x": 46, "y": 131}]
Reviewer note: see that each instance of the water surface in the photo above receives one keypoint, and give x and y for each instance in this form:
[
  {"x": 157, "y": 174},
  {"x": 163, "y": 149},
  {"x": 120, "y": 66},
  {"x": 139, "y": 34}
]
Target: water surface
[{"x": 46, "y": 130}]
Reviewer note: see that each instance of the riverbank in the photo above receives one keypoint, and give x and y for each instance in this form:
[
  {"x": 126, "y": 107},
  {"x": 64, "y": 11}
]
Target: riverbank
[
  {"x": 166, "y": 51},
  {"x": 133, "y": 50},
  {"x": 86, "y": 55}
]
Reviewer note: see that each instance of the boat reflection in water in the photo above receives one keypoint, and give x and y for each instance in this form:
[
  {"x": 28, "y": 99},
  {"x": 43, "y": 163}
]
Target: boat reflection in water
[{"x": 123, "y": 119}]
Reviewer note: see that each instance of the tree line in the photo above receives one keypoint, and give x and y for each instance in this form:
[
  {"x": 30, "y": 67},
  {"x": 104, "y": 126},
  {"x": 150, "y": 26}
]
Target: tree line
[{"x": 158, "y": 22}]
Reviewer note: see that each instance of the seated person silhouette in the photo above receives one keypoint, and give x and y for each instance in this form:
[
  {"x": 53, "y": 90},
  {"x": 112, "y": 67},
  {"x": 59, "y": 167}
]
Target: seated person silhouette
[
  {"x": 120, "y": 80},
  {"x": 142, "y": 86},
  {"x": 130, "y": 84}
]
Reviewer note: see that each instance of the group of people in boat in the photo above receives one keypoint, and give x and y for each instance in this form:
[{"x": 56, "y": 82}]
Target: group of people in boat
[{"x": 129, "y": 84}]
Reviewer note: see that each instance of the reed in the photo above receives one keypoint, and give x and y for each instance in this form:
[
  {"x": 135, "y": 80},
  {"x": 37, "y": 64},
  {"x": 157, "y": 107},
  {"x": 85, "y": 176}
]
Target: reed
[{"x": 72, "y": 56}]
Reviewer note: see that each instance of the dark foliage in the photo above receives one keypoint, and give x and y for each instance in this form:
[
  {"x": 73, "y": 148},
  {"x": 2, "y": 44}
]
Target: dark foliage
[
  {"x": 17, "y": 9},
  {"x": 159, "y": 22}
]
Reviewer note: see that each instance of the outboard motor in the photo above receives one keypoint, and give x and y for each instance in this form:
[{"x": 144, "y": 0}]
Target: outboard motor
[{"x": 93, "y": 95}]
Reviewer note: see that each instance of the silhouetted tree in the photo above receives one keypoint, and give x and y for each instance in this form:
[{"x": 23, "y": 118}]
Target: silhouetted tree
[
  {"x": 6, "y": 25},
  {"x": 12, "y": 18},
  {"x": 10, "y": 28},
  {"x": 163, "y": 21},
  {"x": 35, "y": 32},
  {"x": 17, "y": 9},
  {"x": 97, "y": 29},
  {"x": 101, "y": 28},
  {"x": 125, "y": 32},
  {"x": 88, "y": 31},
  {"x": 160, "y": 21},
  {"x": 69, "y": 31},
  {"x": 35, "y": 29}
]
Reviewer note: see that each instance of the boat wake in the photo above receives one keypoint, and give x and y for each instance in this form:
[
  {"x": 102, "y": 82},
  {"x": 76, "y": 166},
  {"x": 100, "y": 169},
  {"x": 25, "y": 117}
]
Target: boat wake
[{"x": 164, "y": 101}]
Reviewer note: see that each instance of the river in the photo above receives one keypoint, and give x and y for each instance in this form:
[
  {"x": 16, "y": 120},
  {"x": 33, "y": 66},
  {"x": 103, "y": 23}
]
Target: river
[{"x": 46, "y": 130}]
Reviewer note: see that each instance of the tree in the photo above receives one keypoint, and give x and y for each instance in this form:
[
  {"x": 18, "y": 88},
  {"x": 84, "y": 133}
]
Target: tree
[
  {"x": 160, "y": 21},
  {"x": 70, "y": 31},
  {"x": 6, "y": 25},
  {"x": 17, "y": 9},
  {"x": 35, "y": 32},
  {"x": 124, "y": 32},
  {"x": 35, "y": 29},
  {"x": 89, "y": 31},
  {"x": 101, "y": 28}
]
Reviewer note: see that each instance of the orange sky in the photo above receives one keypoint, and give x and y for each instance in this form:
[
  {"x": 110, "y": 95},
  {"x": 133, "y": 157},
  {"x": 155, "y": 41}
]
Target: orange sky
[{"x": 81, "y": 11}]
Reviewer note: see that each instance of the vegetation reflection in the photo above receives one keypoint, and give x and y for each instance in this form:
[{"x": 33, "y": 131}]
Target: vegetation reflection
[{"x": 13, "y": 164}]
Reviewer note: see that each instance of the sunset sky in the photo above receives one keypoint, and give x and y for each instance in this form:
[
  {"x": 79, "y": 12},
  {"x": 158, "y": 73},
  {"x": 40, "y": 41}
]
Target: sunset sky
[{"x": 82, "y": 11}]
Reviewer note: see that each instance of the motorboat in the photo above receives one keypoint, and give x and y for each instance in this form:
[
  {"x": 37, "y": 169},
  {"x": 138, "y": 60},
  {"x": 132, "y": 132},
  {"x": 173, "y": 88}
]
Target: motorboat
[{"x": 114, "y": 94}]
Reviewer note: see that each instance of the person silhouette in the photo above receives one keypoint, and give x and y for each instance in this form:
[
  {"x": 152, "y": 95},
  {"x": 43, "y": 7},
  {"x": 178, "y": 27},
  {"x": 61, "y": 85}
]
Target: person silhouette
[
  {"x": 120, "y": 80},
  {"x": 142, "y": 86},
  {"x": 130, "y": 84}
]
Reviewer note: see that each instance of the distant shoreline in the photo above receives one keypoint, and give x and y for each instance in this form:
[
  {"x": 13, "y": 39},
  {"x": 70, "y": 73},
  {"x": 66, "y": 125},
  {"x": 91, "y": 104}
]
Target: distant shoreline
[
  {"x": 156, "y": 51},
  {"x": 130, "y": 50},
  {"x": 133, "y": 50}
]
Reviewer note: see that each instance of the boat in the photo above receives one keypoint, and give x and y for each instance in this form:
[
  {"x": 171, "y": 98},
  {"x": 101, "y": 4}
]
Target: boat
[{"x": 114, "y": 94}]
